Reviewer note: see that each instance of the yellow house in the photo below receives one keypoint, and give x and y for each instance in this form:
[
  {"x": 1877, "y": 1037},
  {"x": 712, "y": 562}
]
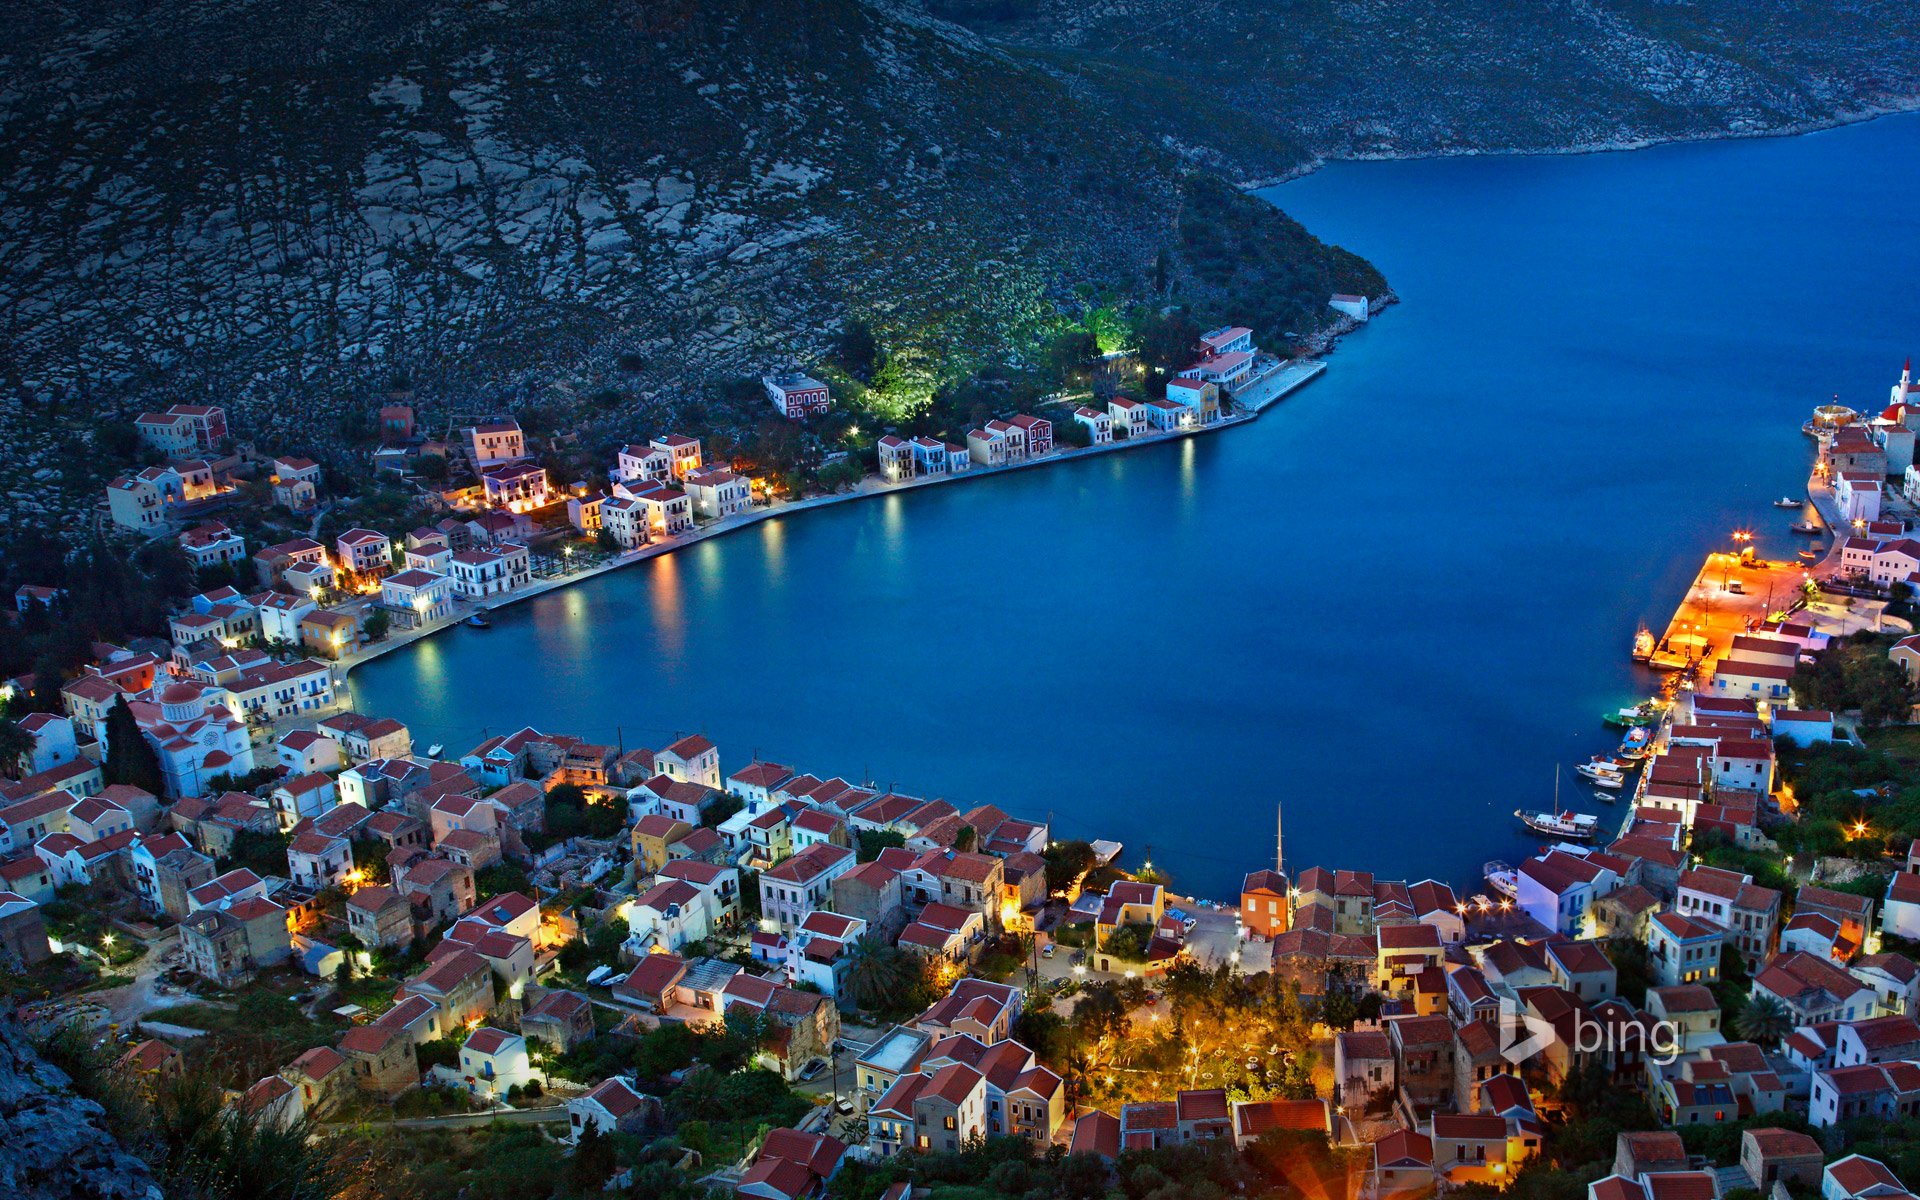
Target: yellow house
[{"x": 652, "y": 834}]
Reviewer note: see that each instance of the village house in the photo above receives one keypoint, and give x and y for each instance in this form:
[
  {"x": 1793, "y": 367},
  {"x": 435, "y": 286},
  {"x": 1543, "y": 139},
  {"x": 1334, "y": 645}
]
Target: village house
[
  {"x": 230, "y": 944},
  {"x": 794, "y": 394},
  {"x": 517, "y": 486},
  {"x": 211, "y": 544},
  {"x": 478, "y": 574},
  {"x": 494, "y": 1061},
  {"x": 1813, "y": 989},
  {"x": 1747, "y": 912},
  {"x": 559, "y": 1019},
  {"x": 495, "y": 442},
  {"x": 183, "y": 429},
  {"x": 296, "y": 483},
  {"x": 612, "y": 1106},
  {"x": 422, "y": 595},
  {"x": 1682, "y": 950},
  {"x": 718, "y": 493},
  {"x": 801, "y": 884},
  {"x": 1099, "y": 425}
]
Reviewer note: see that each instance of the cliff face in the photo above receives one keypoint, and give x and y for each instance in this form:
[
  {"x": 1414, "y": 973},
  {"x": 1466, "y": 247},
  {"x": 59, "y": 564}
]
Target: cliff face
[
  {"x": 279, "y": 205},
  {"x": 53, "y": 1144},
  {"x": 607, "y": 210},
  {"x": 1260, "y": 86}
]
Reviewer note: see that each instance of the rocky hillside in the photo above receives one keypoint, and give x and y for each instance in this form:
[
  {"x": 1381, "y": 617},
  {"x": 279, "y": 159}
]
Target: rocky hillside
[
  {"x": 600, "y": 209},
  {"x": 1259, "y": 86},
  {"x": 607, "y": 214},
  {"x": 55, "y": 1145}
]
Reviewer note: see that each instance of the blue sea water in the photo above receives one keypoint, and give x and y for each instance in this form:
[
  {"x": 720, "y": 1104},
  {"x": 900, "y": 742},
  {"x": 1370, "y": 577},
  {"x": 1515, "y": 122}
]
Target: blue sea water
[{"x": 1393, "y": 604}]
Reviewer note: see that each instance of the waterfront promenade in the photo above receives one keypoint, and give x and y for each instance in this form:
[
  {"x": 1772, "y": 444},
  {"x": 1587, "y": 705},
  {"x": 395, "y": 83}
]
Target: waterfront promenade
[{"x": 1258, "y": 399}]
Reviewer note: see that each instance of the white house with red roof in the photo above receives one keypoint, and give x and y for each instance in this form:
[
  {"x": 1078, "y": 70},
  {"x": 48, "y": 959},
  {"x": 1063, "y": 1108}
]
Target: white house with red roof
[
  {"x": 517, "y": 487},
  {"x": 423, "y": 595},
  {"x": 1857, "y": 1177},
  {"x": 801, "y": 884},
  {"x": 613, "y": 1106},
  {"x": 1558, "y": 890},
  {"x": 212, "y": 544},
  {"x": 363, "y": 551},
  {"x": 54, "y": 742},
  {"x": 894, "y": 455},
  {"x": 692, "y": 759},
  {"x": 493, "y": 1061},
  {"x": 183, "y": 429},
  {"x": 1813, "y": 989}
]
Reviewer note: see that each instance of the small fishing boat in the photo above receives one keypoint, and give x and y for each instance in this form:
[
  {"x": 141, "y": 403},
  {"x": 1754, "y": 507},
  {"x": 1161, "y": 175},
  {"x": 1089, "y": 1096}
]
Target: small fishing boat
[
  {"x": 1612, "y": 762},
  {"x": 1809, "y": 556},
  {"x": 1502, "y": 878},
  {"x": 1480, "y": 901},
  {"x": 1643, "y": 644},
  {"x": 1578, "y": 826},
  {"x": 1600, "y": 778},
  {"x": 1806, "y": 528},
  {"x": 1630, "y": 718},
  {"x": 433, "y": 751},
  {"x": 1607, "y": 797},
  {"x": 1638, "y": 736},
  {"x": 480, "y": 620},
  {"x": 1787, "y": 502}
]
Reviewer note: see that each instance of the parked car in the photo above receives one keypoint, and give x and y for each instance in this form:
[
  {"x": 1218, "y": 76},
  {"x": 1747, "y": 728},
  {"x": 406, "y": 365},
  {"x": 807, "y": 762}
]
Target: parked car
[
  {"x": 812, "y": 1070},
  {"x": 1047, "y": 950}
]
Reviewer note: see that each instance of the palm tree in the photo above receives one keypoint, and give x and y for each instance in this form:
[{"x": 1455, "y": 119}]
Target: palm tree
[
  {"x": 879, "y": 975},
  {"x": 1764, "y": 1020}
]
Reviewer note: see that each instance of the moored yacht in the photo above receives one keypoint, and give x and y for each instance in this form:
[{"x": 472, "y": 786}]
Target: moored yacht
[{"x": 1578, "y": 826}]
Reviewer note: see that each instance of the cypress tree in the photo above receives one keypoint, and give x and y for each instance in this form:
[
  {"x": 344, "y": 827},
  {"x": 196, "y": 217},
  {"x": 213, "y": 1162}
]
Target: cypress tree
[{"x": 130, "y": 759}]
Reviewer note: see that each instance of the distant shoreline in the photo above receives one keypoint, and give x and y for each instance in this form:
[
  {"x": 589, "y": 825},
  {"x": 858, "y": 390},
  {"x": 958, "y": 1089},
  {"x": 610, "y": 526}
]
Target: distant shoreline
[{"x": 1902, "y": 107}]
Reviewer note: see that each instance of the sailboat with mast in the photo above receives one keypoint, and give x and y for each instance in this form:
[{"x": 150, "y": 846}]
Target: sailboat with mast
[{"x": 1559, "y": 822}]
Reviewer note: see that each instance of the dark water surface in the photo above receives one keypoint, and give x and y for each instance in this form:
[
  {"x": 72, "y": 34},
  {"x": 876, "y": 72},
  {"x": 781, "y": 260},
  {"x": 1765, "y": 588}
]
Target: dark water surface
[{"x": 1394, "y": 603}]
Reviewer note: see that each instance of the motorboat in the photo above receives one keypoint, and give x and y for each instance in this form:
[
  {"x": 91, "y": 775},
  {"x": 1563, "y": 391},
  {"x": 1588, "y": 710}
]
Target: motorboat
[
  {"x": 1579, "y": 827},
  {"x": 1787, "y": 502},
  {"x": 1643, "y": 644},
  {"x": 1604, "y": 775},
  {"x": 1810, "y": 556},
  {"x": 1606, "y": 798},
  {"x": 1502, "y": 878},
  {"x": 480, "y": 620},
  {"x": 1806, "y": 528},
  {"x": 433, "y": 751}
]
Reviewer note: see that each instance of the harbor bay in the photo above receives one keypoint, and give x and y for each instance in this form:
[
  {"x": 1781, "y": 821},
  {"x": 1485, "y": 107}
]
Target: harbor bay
[{"x": 1394, "y": 604}]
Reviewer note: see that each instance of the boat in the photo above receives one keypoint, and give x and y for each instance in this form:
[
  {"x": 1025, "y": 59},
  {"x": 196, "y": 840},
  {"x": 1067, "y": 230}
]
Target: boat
[
  {"x": 1502, "y": 878},
  {"x": 1608, "y": 798},
  {"x": 1577, "y": 826},
  {"x": 480, "y": 620},
  {"x": 1637, "y": 737},
  {"x": 1643, "y": 644},
  {"x": 1806, "y": 528},
  {"x": 1629, "y": 718},
  {"x": 1601, "y": 777},
  {"x": 433, "y": 751},
  {"x": 1612, "y": 762},
  {"x": 1480, "y": 901},
  {"x": 1810, "y": 556},
  {"x": 1787, "y": 502}
]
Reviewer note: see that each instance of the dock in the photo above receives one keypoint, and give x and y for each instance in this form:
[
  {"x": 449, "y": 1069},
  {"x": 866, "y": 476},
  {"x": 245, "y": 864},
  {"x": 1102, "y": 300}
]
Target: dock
[
  {"x": 1733, "y": 594},
  {"x": 1279, "y": 385}
]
